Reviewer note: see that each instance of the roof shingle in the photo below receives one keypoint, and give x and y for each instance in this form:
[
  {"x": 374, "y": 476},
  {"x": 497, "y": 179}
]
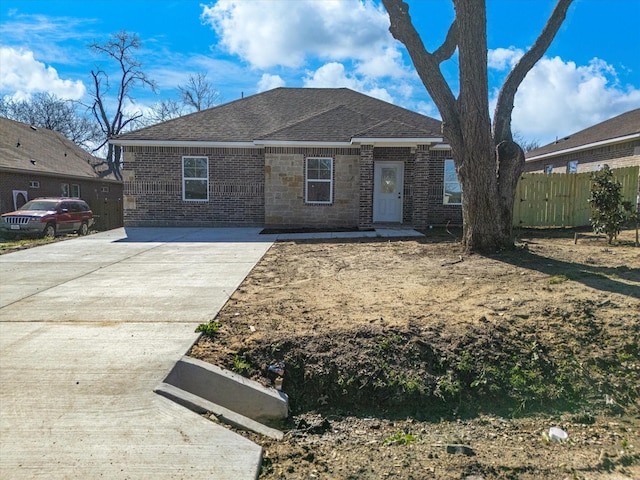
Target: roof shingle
[
  {"x": 289, "y": 114},
  {"x": 621, "y": 126},
  {"x": 39, "y": 150}
]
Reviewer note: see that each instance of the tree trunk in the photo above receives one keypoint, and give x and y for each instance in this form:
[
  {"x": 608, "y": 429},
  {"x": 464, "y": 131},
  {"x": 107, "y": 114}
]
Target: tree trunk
[{"x": 487, "y": 160}]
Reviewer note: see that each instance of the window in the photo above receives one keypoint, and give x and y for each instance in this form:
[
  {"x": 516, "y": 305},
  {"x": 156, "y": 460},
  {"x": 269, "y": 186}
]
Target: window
[
  {"x": 548, "y": 169},
  {"x": 572, "y": 166},
  {"x": 105, "y": 189},
  {"x": 319, "y": 180},
  {"x": 64, "y": 190},
  {"x": 34, "y": 184},
  {"x": 452, "y": 190},
  {"x": 75, "y": 190},
  {"x": 195, "y": 178}
]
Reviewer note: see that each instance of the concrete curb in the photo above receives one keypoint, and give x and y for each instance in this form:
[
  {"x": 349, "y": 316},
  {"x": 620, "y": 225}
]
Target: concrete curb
[
  {"x": 232, "y": 398},
  {"x": 224, "y": 415}
]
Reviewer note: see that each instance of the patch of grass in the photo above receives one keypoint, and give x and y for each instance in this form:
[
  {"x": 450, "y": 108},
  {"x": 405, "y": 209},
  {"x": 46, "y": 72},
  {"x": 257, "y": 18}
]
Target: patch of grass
[
  {"x": 240, "y": 365},
  {"x": 210, "y": 329},
  {"x": 399, "y": 438},
  {"x": 387, "y": 342},
  {"x": 557, "y": 279},
  {"x": 10, "y": 245}
]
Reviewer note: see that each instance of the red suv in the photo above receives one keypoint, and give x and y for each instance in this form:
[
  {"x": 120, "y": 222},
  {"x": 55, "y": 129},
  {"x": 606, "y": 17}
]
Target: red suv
[{"x": 49, "y": 217}]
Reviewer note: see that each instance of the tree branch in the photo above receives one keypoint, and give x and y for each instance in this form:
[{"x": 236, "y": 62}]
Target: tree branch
[
  {"x": 504, "y": 106},
  {"x": 448, "y": 48},
  {"x": 426, "y": 64}
]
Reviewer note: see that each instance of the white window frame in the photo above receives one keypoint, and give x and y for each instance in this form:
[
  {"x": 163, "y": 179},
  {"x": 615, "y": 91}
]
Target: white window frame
[
  {"x": 548, "y": 169},
  {"x": 201, "y": 178},
  {"x": 572, "y": 166},
  {"x": 75, "y": 190},
  {"x": 34, "y": 184},
  {"x": 445, "y": 183},
  {"x": 64, "y": 190},
  {"x": 308, "y": 181}
]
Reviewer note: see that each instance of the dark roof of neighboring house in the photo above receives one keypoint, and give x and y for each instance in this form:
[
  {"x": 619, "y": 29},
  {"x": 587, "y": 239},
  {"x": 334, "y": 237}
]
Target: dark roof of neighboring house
[
  {"x": 611, "y": 130},
  {"x": 42, "y": 151},
  {"x": 293, "y": 115}
]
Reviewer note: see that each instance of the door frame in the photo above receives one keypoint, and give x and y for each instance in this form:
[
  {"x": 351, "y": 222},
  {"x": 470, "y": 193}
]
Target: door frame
[{"x": 376, "y": 169}]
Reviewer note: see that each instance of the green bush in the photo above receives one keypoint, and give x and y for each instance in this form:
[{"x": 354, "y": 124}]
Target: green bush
[{"x": 608, "y": 211}]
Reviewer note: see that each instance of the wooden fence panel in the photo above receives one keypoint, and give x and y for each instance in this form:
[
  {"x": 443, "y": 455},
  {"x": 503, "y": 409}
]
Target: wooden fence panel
[{"x": 561, "y": 199}]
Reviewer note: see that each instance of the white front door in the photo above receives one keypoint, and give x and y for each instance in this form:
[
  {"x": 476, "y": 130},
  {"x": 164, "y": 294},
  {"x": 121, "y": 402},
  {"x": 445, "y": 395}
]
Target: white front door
[{"x": 388, "y": 185}]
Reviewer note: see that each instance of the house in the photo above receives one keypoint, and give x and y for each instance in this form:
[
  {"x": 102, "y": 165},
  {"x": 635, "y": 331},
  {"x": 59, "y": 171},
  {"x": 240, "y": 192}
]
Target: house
[
  {"x": 291, "y": 158},
  {"x": 37, "y": 162},
  {"x": 615, "y": 142}
]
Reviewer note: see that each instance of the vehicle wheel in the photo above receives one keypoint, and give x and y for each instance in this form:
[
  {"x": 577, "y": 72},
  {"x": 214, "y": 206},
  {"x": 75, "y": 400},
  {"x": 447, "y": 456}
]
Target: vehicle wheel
[
  {"x": 49, "y": 231},
  {"x": 83, "y": 230}
]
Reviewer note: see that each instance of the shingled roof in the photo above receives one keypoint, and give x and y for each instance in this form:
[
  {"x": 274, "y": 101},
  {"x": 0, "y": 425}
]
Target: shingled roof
[
  {"x": 292, "y": 115},
  {"x": 614, "y": 130},
  {"x": 24, "y": 148}
]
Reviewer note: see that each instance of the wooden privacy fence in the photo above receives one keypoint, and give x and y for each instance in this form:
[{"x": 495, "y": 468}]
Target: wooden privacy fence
[{"x": 561, "y": 199}]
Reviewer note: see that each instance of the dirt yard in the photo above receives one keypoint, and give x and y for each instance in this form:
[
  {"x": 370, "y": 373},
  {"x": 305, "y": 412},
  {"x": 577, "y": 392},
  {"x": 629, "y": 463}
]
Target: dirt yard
[{"x": 407, "y": 359}]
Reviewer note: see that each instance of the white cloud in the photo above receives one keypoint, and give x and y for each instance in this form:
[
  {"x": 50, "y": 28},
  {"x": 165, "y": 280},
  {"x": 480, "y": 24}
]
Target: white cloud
[
  {"x": 334, "y": 75},
  {"x": 503, "y": 58},
  {"x": 388, "y": 63},
  {"x": 288, "y": 33},
  {"x": 22, "y": 75},
  {"x": 269, "y": 82},
  {"x": 558, "y": 98}
]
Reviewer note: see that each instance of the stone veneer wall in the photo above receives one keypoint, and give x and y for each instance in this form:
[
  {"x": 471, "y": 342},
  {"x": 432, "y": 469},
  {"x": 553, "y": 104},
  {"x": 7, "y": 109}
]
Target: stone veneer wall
[
  {"x": 153, "y": 187},
  {"x": 284, "y": 188}
]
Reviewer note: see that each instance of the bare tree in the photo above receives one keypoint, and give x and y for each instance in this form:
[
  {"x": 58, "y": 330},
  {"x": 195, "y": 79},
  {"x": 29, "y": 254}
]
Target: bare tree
[
  {"x": 487, "y": 159},
  {"x": 199, "y": 93},
  {"x": 161, "y": 112},
  {"x": 46, "y": 110},
  {"x": 121, "y": 49},
  {"x": 526, "y": 145}
]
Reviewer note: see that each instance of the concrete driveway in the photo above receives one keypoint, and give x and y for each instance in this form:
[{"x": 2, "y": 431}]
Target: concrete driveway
[{"x": 88, "y": 327}]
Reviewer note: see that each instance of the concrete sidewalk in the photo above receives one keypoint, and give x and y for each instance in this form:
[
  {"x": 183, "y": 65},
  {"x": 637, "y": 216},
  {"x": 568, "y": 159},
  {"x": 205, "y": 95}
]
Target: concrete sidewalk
[
  {"x": 88, "y": 327},
  {"x": 91, "y": 325}
]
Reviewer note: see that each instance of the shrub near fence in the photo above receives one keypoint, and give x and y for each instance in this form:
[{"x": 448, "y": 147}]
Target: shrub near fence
[{"x": 561, "y": 199}]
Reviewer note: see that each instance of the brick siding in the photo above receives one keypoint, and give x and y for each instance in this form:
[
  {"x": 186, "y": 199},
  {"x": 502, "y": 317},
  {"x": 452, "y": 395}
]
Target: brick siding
[{"x": 153, "y": 187}]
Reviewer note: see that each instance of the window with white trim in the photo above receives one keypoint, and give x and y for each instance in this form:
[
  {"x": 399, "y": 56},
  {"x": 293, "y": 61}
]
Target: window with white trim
[
  {"x": 318, "y": 174},
  {"x": 195, "y": 178},
  {"x": 75, "y": 190},
  {"x": 548, "y": 169},
  {"x": 572, "y": 166},
  {"x": 34, "y": 184},
  {"x": 452, "y": 190},
  {"x": 64, "y": 190}
]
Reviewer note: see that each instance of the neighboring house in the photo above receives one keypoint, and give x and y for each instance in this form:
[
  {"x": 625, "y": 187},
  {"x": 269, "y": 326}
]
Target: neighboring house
[
  {"x": 37, "y": 162},
  {"x": 615, "y": 142},
  {"x": 291, "y": 158}
]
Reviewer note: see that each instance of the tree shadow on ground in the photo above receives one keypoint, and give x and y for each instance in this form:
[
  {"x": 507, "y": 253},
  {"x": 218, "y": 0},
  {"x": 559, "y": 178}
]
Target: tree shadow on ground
[{"x": 623, "y": 280}]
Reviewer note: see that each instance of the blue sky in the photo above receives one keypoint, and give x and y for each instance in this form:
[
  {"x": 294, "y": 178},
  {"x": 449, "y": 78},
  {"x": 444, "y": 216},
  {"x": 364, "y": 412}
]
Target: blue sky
[{"x": 590, "y": 73}]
